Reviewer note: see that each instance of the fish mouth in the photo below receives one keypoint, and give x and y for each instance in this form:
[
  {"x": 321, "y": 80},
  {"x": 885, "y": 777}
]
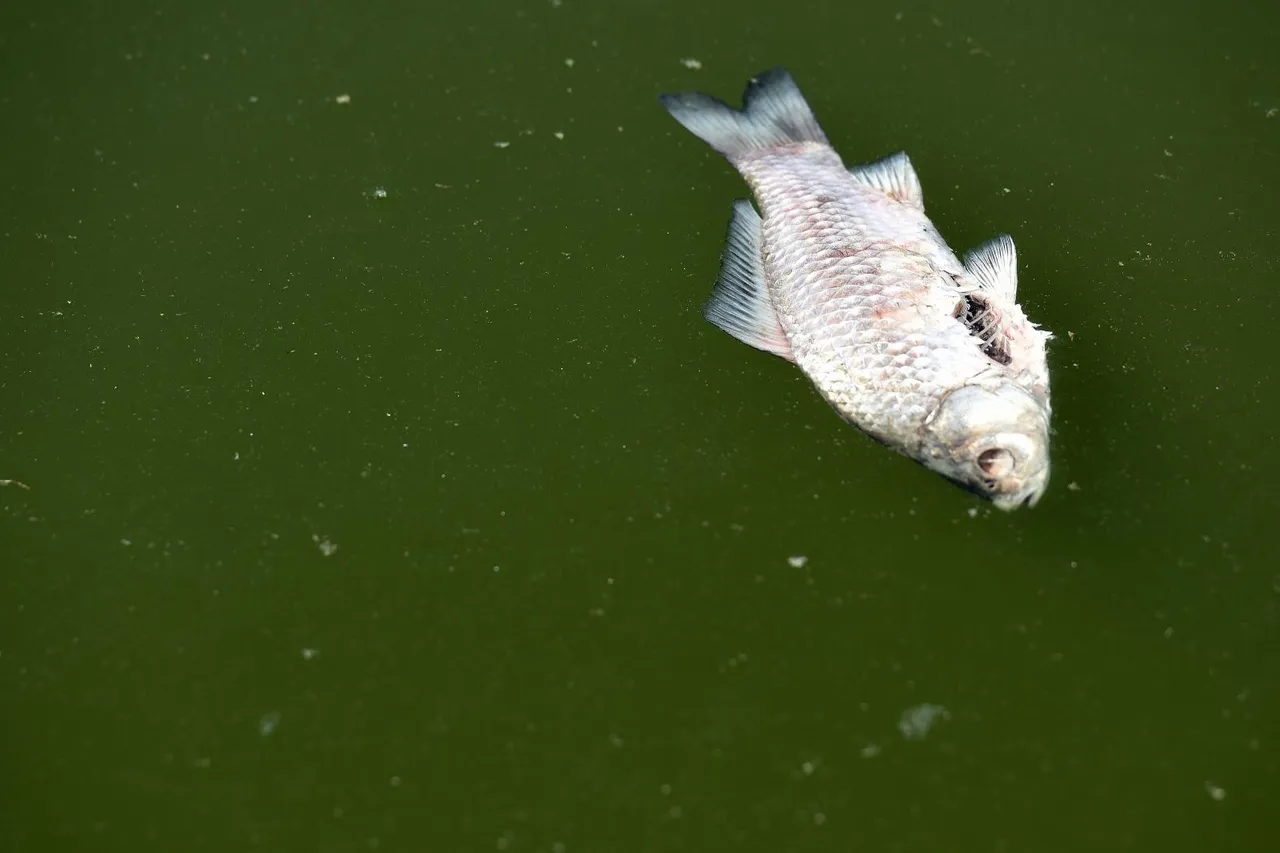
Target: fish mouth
[{"x": 1027, "y": 496}]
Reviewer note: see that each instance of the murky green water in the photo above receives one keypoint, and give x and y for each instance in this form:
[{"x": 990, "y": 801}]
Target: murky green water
[{"x": 441, "y": 521}]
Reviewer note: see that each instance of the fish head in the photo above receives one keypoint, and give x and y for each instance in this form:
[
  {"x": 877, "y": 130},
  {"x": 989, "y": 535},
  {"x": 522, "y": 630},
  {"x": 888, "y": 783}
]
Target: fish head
[{"x": 992, "y": 440}]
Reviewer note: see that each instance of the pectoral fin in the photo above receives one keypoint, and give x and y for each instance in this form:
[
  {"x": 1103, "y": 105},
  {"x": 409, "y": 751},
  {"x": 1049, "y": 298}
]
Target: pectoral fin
[{"x": 994, "y": 265}]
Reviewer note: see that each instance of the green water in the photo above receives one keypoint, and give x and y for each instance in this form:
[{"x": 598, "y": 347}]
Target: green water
[{"x": 440, "y": 521}]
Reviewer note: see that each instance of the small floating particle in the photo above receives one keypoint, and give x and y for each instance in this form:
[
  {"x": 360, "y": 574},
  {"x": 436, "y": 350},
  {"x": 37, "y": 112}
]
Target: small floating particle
[
  {"x": 972, "y": 511},
  {"x": 267, "y": 724},
  {"x": 871, "y": 750},
  {"x": 1071, "y": 334},
  {"x": 1216, "y": 792},
  {"x": 916, "y": 722},
  {"x": 18, "y": 483},
  {"x": 501, "y": 144},
  {"x": 309, "y": 654},
  {"x": 380, "y": 192},
  {"x": 326, "y": 547},
  {"x": 691, "y": 63},
  {"x": 798, "y": 561},
  {"x": 1272, "y": 112},
  {"x": 1073, "y": 486},
  {"x": 569, "y": 62},
  {"x": 558, "y": 135},
  {"x": 343, "y": 99}
]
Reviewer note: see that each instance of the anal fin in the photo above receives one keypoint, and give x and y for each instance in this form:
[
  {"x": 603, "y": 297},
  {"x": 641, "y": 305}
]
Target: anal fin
[
  {"x": 740, "y": 303},
  {"x": 895, "y": 176}
]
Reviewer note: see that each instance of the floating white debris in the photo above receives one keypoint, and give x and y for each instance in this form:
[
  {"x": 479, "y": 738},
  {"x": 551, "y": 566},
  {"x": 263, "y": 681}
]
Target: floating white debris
[
  {"x": 501, "y": 144},
  {"x": 1215, "y": 791},
  {"x": 691, "y": 63},
  {"x": 380, "y": 192},
  {"x": 798, "y": 561},
  {"x": 916, "y": 721},
  {"x": 558, "y": 135},
  {"x": 309, "y": 654},
  {"x": 326, "y": 547},
  {"x": 871, "y": 750},
  {"x": 267, "y": 724},
  {"x": 343, "y": 99},
  {"x": 569, "y": 62},
  {"x": 973, "y": 511}
]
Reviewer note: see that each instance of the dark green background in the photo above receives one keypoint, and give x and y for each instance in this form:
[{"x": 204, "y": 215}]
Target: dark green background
[{"x": 560, "y": 616}]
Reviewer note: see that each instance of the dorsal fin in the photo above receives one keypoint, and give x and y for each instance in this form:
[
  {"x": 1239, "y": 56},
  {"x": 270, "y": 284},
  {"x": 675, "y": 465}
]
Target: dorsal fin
[
  {"x": 740, "y": 303},
  {"x": 994, "y": 265},
  {"x": 895, "y": 176}
]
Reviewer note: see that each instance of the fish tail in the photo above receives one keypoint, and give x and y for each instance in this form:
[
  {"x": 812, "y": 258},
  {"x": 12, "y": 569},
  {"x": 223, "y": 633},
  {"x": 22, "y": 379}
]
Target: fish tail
[{"x": 774, "y": 114}]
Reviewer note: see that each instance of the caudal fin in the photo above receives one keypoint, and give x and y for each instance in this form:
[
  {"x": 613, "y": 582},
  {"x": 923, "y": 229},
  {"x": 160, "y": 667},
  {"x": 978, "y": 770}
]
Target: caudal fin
[{"x": 773, "y": 114}]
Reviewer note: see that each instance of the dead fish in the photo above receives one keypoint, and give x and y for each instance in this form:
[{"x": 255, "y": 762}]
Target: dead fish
[{"x": 842, "y": 273}]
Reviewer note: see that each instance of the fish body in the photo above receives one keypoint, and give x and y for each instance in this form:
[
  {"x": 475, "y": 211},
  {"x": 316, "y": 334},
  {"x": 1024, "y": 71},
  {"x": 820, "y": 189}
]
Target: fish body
[{"x": 842, "y": 273}]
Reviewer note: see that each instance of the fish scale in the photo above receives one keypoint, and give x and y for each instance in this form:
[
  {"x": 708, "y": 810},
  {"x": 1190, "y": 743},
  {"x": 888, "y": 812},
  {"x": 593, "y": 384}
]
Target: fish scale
[{"x": 842, "y": 273}]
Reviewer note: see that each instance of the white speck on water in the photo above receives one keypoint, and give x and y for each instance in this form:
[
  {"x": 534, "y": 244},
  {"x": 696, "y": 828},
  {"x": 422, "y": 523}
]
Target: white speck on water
[
  {"x": 807, "y": 768},
  {"x": 819, "y": 819},
  {"x": 236, "y": 456},
  {"x": 556, "y": 4},
  {"x": 1214, "y": 791},
  {"x": 326, "y": 547},
  {"x": 973, "y": 511},
  {"x": 615, "y": 739},
  {"x": 569, "y": 62},
  {"x": 380, "y": 192},
  {"x": 203, "y": 763},
  {"x": 253, "y": 99},
  {"x": 916, "y": 722},
  {"x": 798, "y": 561},
  {"x": 871, "y": 750},
  {"x": 395, "y": 781},
  {"x": 309, "y": 654},
  {"x": 126, "y": 542},
  {"x": 1073, "y": 486},
  {"x": 1272, "y": 112},
  {"x": 664, "y": 789},
  {"x": 268, "y": 723},
  {"x": 557, "y": 847},
  {"x": 691, "y": 63},
  {"x": 501, "y": 144},
  {"x": 502, "y": 842},
  {"x": 558, "y": 135},
  {"x": 343, "y": 99}
]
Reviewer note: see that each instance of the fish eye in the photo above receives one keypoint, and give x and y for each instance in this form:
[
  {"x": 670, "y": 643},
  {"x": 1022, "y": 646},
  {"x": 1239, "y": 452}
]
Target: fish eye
[{"x": 996, "y": 462}]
